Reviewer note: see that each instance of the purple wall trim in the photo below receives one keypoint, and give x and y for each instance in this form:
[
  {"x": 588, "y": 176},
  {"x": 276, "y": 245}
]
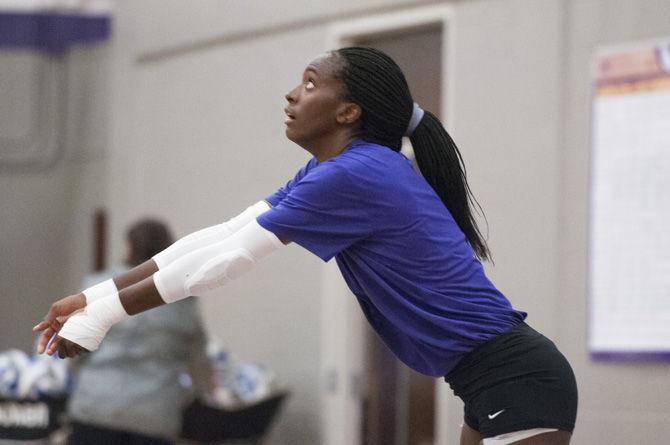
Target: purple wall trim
[
  {"x": 52, "y": 33},
  {"x": 622, "y": 356}
]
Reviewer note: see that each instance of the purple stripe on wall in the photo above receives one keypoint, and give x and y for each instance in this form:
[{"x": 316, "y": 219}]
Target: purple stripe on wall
[
  {"x": 51, "y": 33},
  {"x": 610, "y": 356}
]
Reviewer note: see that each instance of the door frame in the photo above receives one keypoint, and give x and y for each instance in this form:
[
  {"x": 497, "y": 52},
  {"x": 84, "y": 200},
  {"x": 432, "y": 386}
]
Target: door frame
[{"x": 342, "y": 333}]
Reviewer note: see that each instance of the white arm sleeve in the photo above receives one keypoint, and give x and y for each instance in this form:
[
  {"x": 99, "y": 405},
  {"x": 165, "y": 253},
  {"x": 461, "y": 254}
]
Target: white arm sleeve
[
  {"x": 209, "y": 235},
  {"x": 215, "y": 265},
  {"x": 100, "y": 290},
  {"x": 189, "y": 243},
  {"x": 193, "y": 274},
  {"x": 89, "y": 327}
]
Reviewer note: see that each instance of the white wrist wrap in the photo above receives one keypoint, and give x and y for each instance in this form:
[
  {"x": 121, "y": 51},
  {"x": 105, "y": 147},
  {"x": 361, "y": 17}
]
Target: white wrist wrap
[
  {"x": 209, "y": 235},
  {"x": 215, "y": 265},
  {"x": 100, "y": 290},
  {"x": 88, "y": 328}
]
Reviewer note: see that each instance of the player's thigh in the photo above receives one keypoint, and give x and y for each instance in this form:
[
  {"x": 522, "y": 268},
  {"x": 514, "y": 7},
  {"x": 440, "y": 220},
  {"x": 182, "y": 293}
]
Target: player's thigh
[
  {"x": 552, "y": 438},
  {"x": 469, "y": 436}
]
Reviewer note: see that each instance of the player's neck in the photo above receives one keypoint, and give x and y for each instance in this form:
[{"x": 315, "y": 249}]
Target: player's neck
[{"x": 331, "y": 146}]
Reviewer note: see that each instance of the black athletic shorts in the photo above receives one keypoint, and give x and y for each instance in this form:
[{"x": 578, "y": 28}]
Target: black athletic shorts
[{"x": 516, "y": 381}]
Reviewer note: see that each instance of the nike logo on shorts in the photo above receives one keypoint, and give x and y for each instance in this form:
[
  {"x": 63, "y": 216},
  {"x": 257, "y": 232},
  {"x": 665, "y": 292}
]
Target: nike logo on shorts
[{"x": 496, "y": 414}]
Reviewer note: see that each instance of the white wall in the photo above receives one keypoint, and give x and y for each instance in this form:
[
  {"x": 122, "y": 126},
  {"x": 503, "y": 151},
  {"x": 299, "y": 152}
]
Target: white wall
[{"x": 193, "y": 132}]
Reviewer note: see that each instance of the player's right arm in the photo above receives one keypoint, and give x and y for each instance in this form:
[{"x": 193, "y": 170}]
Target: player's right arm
[{"x": 63, "y": 308}]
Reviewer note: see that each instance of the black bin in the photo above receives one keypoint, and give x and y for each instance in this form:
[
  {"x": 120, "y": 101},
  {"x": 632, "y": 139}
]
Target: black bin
[{"x": 203, "y": 423}]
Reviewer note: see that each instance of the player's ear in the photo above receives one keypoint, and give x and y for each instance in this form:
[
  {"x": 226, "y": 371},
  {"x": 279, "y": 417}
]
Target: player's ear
[{"x": 349, "y": 113}]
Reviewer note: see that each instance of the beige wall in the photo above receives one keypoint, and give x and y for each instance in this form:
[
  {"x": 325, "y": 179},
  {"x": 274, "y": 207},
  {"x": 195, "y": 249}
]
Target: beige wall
[
  {"x": 45, "y": 221},
  {"x": 620, "y": 403},
  {"x": 192, "y": 131},
  {"x": 522, "y": 116}
]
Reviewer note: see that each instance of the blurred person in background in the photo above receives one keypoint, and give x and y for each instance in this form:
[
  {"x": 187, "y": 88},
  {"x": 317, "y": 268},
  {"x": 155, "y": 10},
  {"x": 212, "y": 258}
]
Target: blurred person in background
[{"x": 129, "y": 391}]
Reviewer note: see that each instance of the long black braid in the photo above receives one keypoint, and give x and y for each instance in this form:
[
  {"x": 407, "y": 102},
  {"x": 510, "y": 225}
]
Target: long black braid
[
  {"x": 376, "y": 83},
  {"x": 381, "y": 92}
]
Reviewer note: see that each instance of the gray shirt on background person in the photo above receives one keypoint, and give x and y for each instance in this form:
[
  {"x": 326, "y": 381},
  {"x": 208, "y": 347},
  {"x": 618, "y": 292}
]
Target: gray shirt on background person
[{"x": 132, "y": 382}]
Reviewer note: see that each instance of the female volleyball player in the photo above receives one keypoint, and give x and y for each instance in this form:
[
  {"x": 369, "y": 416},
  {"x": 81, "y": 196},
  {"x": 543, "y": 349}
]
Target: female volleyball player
[{"x": 408, "y": 247}]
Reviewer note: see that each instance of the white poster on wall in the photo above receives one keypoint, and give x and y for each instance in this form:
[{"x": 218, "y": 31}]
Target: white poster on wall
[{"x": 629, "y": 252}]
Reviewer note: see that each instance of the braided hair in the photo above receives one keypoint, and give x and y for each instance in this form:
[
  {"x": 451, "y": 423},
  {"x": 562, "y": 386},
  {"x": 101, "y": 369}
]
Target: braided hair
[{"x": 375, "y": 82}]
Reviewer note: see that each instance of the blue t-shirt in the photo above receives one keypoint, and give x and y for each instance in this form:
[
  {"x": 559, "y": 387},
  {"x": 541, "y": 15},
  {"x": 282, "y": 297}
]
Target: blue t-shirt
[{"x": 400, "y": 251}]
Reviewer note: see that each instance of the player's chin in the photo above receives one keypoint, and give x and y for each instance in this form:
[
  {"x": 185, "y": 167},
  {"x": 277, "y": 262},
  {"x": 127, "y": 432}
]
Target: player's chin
[{"x": 291, "y": 134}]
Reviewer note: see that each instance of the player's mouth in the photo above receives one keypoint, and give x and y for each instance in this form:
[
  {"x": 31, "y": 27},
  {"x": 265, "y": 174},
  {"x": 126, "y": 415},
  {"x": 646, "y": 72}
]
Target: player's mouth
[{"x": 290, "y": 117}]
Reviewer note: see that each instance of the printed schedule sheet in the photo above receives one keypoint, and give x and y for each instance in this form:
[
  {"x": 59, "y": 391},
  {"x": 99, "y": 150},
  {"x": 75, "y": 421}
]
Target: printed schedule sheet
[{"x": 629, "y": 233}]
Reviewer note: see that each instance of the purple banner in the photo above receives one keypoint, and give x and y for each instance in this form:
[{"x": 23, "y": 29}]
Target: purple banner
[{"x": 52, "y": 33}]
